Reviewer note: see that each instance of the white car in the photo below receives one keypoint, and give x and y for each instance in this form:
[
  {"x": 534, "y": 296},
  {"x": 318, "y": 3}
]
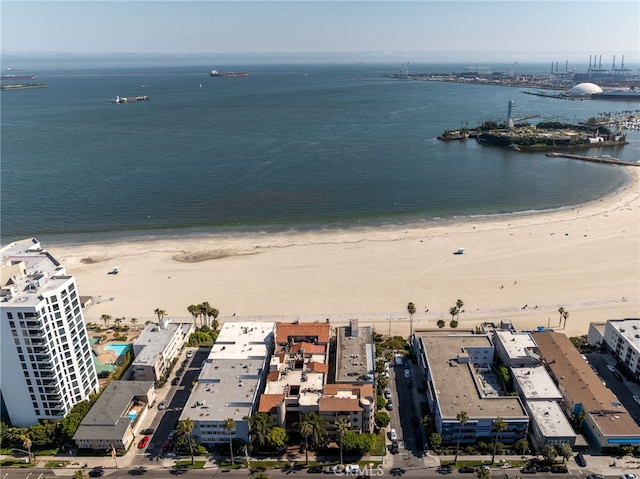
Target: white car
[
  {"x": 162, "y": 405},
  {"x": 628, "y": 476},
  {"x": 189, "y": 353},
  {"x": 636, "y": 399},
  {"x": 393, "y": 435},
  {"x": 611, "y": 367}
]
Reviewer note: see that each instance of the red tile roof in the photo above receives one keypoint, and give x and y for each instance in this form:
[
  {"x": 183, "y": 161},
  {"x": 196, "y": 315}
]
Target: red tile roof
[
  {"x": 274, "y": 376},
  {"x": 331, "y": 404},
  {"x": 309, "y": 348},
  {"x": 285, "y": 331},
  {"x": 269, "y": 401},
  {"x": 359, "y": 390},
  {"x": 317, "y": 367}
]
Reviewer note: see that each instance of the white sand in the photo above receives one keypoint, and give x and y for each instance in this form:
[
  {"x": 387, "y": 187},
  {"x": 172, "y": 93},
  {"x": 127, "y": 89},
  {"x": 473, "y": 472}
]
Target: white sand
[{"x": 585, "y": 259}]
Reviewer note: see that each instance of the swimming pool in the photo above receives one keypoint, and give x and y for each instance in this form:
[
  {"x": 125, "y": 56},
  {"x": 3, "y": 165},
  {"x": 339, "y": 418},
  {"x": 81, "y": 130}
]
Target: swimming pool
[
  {"x": 119, "y": 349},
  {"x": 132, "y": 415}
]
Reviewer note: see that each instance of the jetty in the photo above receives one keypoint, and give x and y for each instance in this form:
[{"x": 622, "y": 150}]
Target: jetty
[{"x": 595, "y": 159}]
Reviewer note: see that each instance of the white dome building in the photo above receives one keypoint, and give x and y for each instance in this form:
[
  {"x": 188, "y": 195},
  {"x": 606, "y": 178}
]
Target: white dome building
[{"x": 585, "y": 89}]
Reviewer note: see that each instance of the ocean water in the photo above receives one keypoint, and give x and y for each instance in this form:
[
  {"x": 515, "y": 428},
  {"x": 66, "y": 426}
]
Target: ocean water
[{"x": 287, "y": 148}]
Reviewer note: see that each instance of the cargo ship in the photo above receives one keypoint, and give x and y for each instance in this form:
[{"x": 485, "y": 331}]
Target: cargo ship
[
  {"x": 216, "y": 73},
  {"x": 17, "y": 77}
]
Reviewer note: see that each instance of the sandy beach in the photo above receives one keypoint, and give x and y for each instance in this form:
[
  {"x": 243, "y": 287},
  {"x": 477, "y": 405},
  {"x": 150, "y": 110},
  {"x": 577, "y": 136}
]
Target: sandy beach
[{"x": 518, "y": 267}]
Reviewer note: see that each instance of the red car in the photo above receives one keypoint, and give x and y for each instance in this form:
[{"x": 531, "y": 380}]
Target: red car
[
  {"x": 143, "y": 442},
  {"x": 166, "y": 446}
]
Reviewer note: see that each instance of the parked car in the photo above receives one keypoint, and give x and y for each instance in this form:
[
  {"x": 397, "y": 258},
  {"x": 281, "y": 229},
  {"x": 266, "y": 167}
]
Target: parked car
[
  {"x": 190, "y": 353},
  {"x": 595, "y": 476},
  {"x": 162, "y": 405},
  {"x": 175, "y": 381},
  {"x": 387, "y": 393},
  {"x": 166, "y": 446},
  {"x": 467, "y": 469},
  {"x": 172, "y": 434},
  {"x": 528, "y": 470},
  {"x": 315, "y": 469},
  {"x": 389, "y": 405},
  {"x": 96, "y": 472},
  {"x": 559, "y": 469},
  {"x": 393, "y": 435},
  {"x": 628, "y": 476},
  {"x": 636, "y": 399},
  {"x": 148, "y": 431},
  {"x": 395, "y": 448},
  {"x": 580, "y": 460},
  {"x": 143, "y": 442},
  {"x": 611, "y": 367}
]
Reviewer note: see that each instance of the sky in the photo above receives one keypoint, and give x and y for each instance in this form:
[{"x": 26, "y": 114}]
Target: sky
[{"x": 509, "y": 30}]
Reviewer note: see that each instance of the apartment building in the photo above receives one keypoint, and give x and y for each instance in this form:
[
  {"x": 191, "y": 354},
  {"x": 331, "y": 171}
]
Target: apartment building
[
  {"x": 46, "y": 362},
  {"x": 230, "y": 382},
  {"x": 607, "y": 422},
  {"x": 457, "y": 372},
  {"x": 156, "y": 348}
]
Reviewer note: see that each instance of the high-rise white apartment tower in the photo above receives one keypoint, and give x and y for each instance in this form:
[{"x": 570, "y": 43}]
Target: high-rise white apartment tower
[{"x": 46, "y": 362}]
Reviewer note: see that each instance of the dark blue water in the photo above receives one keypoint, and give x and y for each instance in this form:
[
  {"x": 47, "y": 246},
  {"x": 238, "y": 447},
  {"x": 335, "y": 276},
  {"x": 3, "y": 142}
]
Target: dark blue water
[{"x": 293, "y": 147}]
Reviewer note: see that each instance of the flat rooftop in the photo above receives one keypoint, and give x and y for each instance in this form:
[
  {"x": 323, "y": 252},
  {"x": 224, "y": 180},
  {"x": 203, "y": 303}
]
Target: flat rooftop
[
  {"x": 27, "y": 271},
  {"x": 456, "y": 384},
  {"x": 153, "y": 339},
  {"x": 355, "y": 355},
  {"x": 517, "y": 345},
  {"x": 550, "y": 419},
  {"x": 247, "y": 339},
  {"x": 535, "y": 383},
  {"x": 226, "y": 388},
  {"x": 629, "y": 329}
]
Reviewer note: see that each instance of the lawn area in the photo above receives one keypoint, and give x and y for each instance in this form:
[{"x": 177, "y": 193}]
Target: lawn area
[
  {"x": 186, "y": 464},
  {"x": 380, "y": 446},
  {"x": 14, "y": 462}
]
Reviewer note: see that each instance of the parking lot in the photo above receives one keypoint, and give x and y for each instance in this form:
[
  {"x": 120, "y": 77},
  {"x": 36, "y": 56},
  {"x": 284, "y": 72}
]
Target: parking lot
[{"x": 613, "y": 376}]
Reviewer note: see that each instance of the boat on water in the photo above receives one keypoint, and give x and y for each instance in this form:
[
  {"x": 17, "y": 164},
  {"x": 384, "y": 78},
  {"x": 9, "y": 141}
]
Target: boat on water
[
  {"x": 216, "y": 73},
  {"x": 17, "y": 77},
  {"x": 124, "y": 99}
]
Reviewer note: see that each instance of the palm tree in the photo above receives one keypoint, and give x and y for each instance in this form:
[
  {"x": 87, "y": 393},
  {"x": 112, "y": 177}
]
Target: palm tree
[
  {"x": 561, "y": 311},
  {"x": 229, "y": 426},
  {"x": 342, "y": 425},
  {"x": 411, "y": 309},
  {"x": 499, "y": 425},
  {"x": 306, "y": 429},
  {"x": 193, "y": 311},
  {"x": 117, "y": 321},
  {"x": 106, "y": 318},
  {"x": 160, "y": 313},
  {"x": 565, "y": 315},
  {"x": 134, "y": 321},
  {"x": 459, "y": 305},
  {"x": 26, "y": 443},
  {"x": 260, "y": 475},
  {"x": 213, "y": 313},
  {"x": 312, "y": 425},
  {"x": 462, "y": 418},
  {"x": 204, "y": 310},
  {"x": 453, "y": 311},
  {"x": 185, "y": 428},
  {"x": 259, "y": 427}
]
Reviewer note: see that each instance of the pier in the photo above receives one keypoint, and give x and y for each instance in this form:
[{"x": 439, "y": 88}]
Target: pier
[{"x": 595, "y": 159}]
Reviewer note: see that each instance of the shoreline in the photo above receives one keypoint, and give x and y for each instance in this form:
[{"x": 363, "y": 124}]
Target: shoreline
[{"x": 584, "y": 258}]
